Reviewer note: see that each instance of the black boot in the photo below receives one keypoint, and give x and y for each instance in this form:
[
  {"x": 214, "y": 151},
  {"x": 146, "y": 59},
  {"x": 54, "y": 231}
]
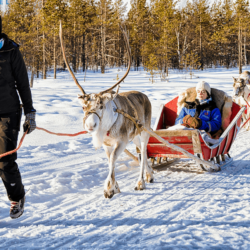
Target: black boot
[{"x": 17, "y": 208}]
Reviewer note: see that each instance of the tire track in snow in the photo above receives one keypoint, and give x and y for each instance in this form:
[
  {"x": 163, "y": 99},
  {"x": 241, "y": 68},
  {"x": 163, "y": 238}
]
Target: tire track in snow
[{"x": 207, "y": 190}]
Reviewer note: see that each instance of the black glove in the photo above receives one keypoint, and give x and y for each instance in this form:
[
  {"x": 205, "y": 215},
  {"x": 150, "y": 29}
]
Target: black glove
[{"x": 30, "y": 123}]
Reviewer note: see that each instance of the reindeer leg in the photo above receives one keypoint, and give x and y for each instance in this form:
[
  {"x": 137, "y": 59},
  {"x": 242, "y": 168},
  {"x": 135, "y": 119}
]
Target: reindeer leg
[
  {"x": 108, "y": 151},
  {"x": 111, "y": 186},
  {"x": 148, "y": 170},
  {"x": 137, "y": 143},
  {"x": 140, "y": 185},
  {"x": 149, "y": 173}
]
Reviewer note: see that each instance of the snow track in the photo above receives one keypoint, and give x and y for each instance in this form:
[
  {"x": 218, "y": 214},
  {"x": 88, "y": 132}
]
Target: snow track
[{"x": 65, "y": 206}]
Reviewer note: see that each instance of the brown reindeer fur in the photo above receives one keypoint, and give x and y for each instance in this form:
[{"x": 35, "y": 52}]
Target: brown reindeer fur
[
  {"x": 222, "y": 100},
  {"x": 142, "y": 107},
  {"x": 246, "y": 76}
]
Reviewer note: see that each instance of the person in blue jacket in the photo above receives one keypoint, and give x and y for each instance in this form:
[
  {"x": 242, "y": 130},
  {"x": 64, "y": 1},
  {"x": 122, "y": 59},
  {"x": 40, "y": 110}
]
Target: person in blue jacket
[{"x": 201, "y": 114}]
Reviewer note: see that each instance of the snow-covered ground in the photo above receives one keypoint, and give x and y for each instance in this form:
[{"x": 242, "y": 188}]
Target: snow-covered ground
[{"x": 64, "y": 176}]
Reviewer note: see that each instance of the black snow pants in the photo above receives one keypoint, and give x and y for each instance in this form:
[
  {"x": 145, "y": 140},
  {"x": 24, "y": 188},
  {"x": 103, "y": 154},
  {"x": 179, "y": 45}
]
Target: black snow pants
[{"x": 9, "y": 172}]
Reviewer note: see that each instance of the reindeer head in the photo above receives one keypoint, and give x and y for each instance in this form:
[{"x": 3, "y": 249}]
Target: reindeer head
[
  {"x": 239, "y": 87},
  {"x": 90, "y": 102},
  {"x": 94, "y": 105}
]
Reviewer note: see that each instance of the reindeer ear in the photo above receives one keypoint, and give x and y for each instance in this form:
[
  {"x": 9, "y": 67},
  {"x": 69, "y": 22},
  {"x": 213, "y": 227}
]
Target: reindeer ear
[
  {"x": 80, "y": 96},
  {"x": 81, "y": 99},
  {"x": 107, "y": 96},
  {"x": 235, "y": 79}
]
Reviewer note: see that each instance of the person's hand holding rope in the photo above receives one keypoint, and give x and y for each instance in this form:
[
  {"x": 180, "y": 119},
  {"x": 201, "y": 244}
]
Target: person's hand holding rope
[{"x": 30, "y": 123}]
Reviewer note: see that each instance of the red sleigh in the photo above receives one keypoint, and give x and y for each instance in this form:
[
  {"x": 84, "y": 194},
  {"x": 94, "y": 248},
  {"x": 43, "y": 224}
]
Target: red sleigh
[{"x": 191, "y": 140}]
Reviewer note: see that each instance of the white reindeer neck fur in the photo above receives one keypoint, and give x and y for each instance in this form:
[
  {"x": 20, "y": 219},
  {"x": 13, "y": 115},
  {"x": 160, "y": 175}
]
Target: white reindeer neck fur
[{"x": 109, "y": 117}]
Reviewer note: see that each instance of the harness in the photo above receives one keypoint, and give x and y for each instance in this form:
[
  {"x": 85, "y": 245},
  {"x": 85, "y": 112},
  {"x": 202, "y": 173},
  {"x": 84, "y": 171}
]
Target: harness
[
  {"x": 135, "y": 119},
  {"x": 117, "y": 111},
  {"x": 93, "y": 111},
  {"x": 87, "y": 113}
]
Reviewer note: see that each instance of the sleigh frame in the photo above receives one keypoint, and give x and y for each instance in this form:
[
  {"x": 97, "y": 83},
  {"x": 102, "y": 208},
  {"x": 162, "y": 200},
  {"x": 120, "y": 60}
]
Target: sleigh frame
[{"x": 190, "y": 140}]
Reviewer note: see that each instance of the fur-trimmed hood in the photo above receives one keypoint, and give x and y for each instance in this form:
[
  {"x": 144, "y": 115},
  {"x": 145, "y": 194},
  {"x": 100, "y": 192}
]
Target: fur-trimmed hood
[{"x": 221, "y": 99}]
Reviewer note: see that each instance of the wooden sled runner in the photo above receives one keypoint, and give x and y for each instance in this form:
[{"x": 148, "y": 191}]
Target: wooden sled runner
[{"x": 191, "y": 140}]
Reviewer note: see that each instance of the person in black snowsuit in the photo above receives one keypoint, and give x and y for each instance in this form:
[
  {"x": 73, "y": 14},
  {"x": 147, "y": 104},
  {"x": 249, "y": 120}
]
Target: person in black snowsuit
[{"x": 14, "y": 82}]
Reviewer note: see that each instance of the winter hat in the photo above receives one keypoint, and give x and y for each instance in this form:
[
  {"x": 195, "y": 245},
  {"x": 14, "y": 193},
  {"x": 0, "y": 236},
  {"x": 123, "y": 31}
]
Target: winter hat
[{"x": 203, "y": 85}]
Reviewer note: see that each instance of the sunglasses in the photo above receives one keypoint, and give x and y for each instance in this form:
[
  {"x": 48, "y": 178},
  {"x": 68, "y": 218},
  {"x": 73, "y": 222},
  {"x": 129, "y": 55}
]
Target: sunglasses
[{"x": 1, "y": 42}]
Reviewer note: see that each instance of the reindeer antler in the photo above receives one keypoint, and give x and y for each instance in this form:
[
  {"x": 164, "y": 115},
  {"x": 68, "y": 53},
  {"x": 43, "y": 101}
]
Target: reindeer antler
[
  {"x": 66, "y": 62},
  {"x": 129, "y": 64}
]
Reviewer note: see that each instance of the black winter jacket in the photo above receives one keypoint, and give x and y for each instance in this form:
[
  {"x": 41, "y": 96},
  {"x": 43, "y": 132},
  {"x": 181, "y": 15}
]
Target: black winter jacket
[{"x": 13, "y": 78}]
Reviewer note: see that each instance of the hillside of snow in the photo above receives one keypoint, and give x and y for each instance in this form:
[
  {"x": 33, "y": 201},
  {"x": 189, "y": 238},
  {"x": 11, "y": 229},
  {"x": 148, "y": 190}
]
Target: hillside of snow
[{"x": 64, "y": 176}]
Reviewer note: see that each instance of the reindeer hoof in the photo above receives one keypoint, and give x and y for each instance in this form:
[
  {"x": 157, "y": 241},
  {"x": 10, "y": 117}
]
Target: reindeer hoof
[
  {"x": 140, "y": 185},
  {"x": 106, "y": 195},
  {"x": 149, "y": 178}
]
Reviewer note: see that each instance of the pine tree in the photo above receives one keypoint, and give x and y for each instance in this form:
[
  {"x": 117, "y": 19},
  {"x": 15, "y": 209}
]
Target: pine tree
[
  {"x": 105, "y": 27},
  {"x": 19, "y": 23},
  {"x": 241, "y": 20},
  {"x": 138, "y": 19},
  {"x": 222, "y": 32},
  {"x": 53, "y": 12},
  {"x": 163, "y": 13},
  {"x": 202, "y": 29},
  {"x": 80, "y": 17},
  {"x": 182, "y": 32}
]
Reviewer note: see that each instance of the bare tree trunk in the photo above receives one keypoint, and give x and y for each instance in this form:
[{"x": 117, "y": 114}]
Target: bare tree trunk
[
  {"x": 178, "y": 47},
  {"x": 32, "y": 72},
  {"x": 240, "y": 49},
  {"x": 54, "y": 55},
  {"x": 44, "y": 55},
  {"x": 83, "y": 53},
  {"x": 245, "y": 51},
  {"x": 103, "y": 41},
  {"x": 44, "y": 58},
  {"x": 37, "y": 58},
  {"x": 85, "y": 71},
  {"x": 37, "y": 68},
  {"x": 74, "y": 48},
  {"x": 165, "y": 51},
  {"x": 201, "y": 56}
]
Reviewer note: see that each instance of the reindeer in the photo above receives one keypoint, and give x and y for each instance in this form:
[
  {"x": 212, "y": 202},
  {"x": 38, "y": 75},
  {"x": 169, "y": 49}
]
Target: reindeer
[
  {"x": 112, "y": 130},
  {"x": 241, "y": 94}
]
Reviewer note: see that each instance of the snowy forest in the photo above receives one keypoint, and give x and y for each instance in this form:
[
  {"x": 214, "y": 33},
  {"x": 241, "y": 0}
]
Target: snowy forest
[{"x": 162, "y": 34}]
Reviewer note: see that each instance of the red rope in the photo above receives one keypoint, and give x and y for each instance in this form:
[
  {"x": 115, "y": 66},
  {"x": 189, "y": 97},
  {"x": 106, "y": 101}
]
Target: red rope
[
  {"x": 61, "y": 134},
  {"x": 21, "y": 141},
  {"x": 13, "y": 151},
  {"x": 245, "y": 123}
]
